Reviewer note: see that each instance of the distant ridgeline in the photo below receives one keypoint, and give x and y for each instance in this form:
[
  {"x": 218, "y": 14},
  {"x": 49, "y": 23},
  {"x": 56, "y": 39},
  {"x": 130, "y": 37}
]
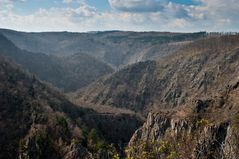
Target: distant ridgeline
[
  {"x": 116, "y": 48},
  {"x": 211, "y": 34},
  {"x": 183, "y": 86}
]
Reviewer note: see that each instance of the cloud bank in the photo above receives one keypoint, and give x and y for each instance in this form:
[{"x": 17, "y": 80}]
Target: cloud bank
[{"x": 137, "y": 15}]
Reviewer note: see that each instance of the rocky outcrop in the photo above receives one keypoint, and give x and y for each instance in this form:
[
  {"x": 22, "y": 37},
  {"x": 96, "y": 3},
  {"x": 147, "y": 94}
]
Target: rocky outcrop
[
  {"x": 164, "y": 135},
  {"x": 206, "y": 128},
  {"x": 76, "y": 151},
  {"x": 199, "y": 70}
]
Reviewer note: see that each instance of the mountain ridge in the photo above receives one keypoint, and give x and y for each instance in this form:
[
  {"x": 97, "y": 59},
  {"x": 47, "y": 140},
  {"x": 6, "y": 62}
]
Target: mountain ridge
[
  {"x": 106, "y": 46},
  {"x": 195, "y": 69},
  {"x": 37, "y": 121},
  {"x": 67, "y": 73}
]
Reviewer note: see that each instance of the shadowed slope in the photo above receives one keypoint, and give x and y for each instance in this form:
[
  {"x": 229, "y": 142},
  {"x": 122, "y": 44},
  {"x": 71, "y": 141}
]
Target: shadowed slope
[
  {"x": 67, "y": 73},
  {"x": 199, "y": 69}
]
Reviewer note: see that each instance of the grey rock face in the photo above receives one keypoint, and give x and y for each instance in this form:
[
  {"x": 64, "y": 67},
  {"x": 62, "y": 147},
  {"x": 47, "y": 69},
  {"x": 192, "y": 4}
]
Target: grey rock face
[
  {"x": 207, "y": 141},
  {"x": 76, "y": 151}
]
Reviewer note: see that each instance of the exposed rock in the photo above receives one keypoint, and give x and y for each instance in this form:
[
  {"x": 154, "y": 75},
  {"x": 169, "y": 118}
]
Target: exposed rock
[
  {"x": 198, "y": 139},
  {"x": 37, "y": 146},
  {"x": 197, "y": 71},
  {"x": 211, "y": 142},
  {"x": 76, "y": 151}
]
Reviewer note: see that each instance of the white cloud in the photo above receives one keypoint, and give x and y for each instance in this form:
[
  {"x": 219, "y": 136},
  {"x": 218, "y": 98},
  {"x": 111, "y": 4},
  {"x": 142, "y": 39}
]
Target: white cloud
[
  {"x": 217, "y": 14},
  {"x": 136, "y": 5},
  {"x": 67, "y": 1},
  {"x": 49, "y": 19},
  {"x": 209, "y": 15},
  {"x": 74, "y": 1},
  {"x": 178, "y": 23},
  {"x": 5, "y": 5}
]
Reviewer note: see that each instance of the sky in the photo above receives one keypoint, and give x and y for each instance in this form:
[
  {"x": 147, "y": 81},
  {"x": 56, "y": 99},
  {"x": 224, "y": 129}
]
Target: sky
[{"x": 131, "y": 15}]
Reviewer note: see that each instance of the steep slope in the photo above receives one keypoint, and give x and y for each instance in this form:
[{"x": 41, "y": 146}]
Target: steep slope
[
  {"x": 200, "y": 69},
  {"x": 208, "y": 118},
  {"x": 209, "y": 125},
  {"x": 79, "y": 70},
  {"x": 123, "y": 89},
  {"x": 39, "y": 122},
  {"x": 33, "y": 116},
  {"x": 113, "y": 47},
  {"x": 67, "y": 73},
  {"x": 160, "y": 51}
]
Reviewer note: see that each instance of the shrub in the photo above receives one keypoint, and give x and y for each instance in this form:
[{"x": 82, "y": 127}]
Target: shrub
[{"x": 61, "y": 121}]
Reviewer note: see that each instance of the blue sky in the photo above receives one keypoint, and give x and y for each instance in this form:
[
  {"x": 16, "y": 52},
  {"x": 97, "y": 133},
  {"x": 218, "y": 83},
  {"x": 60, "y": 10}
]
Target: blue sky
[
  {"x": 136, "y": 15},
  {"x": 101, "y": 5},
  {"x": 33, "y": 5}
]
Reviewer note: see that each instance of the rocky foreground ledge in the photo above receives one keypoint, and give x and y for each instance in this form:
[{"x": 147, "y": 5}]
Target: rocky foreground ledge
[{"x": 167, "y": 135}]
